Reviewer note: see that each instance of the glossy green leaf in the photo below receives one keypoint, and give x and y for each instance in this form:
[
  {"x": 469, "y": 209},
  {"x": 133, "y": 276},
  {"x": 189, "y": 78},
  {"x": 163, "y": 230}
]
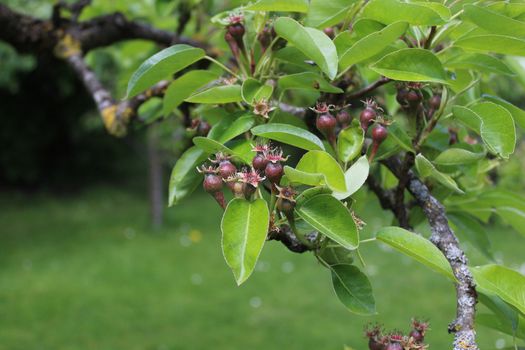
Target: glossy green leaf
[
  {"x": 493, "y": 22},
  {"x": 503, "y": 326},
  {"x": 289, "y": 134},
  {"x": 517, "y": 113},
  {"x": 162, "y": 65},
  {"x": 396, "y": 132},
  {"x": 183, "y": 87},
  {"x": 210, "y": 146},
  {"x": 417, "y": 247},
  {"x": 236, "y": 127},
  {"x": 330, "y": 217},
  {"x": 217, "y": 94},
  {"x": 307, "y": 81},
  {"x": 411, "y": 65},
  {"x": 311, "y": 192},
  {"x": 390, "y": 11},
  {"x": 301, "y": 177},
  {"x": 353, "y": 289},
  {"x": 254, "y": 91},
  {"x": 457, "y": 156},
  {"x": 493, "y": 43},
  {"x": 350, "y": 142},
  {"x": 355, "y": 178},
  {"x": 497, "y": 128},
  {"x": 427, "y": 169},
  {"x": 479, "y": 62},
  {"x": 244, "y": 228},
  {"x": 507, "y": 284},
  {"x": 371, "y": 45},
  {"x": 279, "y": 6},
  {"x": 323, "y": 13},
  {"x": 312, "y": 42},
  {"x": 320, "y": 162},
  {"x": 472, "y": 229},
  {"x": 184, "y": 177}
]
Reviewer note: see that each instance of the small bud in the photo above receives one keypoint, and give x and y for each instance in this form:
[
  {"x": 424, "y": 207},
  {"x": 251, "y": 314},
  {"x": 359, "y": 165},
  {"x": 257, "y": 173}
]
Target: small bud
[
  {"x": 329, "y": 31},
  {"x": 435, "y": 102}
]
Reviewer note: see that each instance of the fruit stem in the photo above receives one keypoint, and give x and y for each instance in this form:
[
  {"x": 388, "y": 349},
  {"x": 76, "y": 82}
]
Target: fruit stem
[
  {"x": 211, "y": 59},
  {"x": 219, "y": 197},
  {"x": 375, "y": 146}
]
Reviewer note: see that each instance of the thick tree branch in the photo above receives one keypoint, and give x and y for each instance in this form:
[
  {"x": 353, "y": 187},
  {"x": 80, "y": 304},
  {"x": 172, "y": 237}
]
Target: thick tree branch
[
  {"x": 69, "y": 40},
  {"x": 443, "y": 237}
]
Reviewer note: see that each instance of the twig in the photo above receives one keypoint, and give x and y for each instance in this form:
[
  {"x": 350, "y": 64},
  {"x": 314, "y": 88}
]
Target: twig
[{"x": 367, "y": 89}]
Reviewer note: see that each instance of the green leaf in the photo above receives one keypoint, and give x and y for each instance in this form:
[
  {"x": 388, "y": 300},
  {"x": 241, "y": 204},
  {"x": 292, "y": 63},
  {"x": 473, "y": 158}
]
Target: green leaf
[
  {"x": 507, "y": 284},
  {"x": 279, "y": 6},
  {"x": 211, "y": 146},
  {"x": 473, "y": 230},
  {"x": 502, "y": 325},
  {"x": 411, "y": 65},
  {"x": 399, "y": 134},
  {"x": 492, "y": 21},
  {"x": 493, "y": 43},
  {"x": 289, "y": 134},
  {"x": 457, "y": 156},
  {"x": 320, "y": 162},
  {"x": 330, "y": 217},
  {"x": 323, "y": 13},
  {"x": 307, "y": 81},
  {"x": 417, "y": 247},
  {"x": 236, "y": 127},
  {"x": 311, "y": 192},
  {"x": 479, "y": 62},
  {"x": 254, "y": 91},
  {"x": 162, "y": 65},
  {"x": 184, "y": 177},
  {"x": 353, "y": 289},
  {"x": 312, "y": 42},
  {"x": 517, "y": 113},
  {"x": 427, "y": 169},
  {"x": 371, "y": 45},
  {"x": 355, "y": 178},
  {"x": 301, "y": 177},
  {"x": 244, "y": 228},
  {"x": 217, "y": 94},
  {"x": 350, "y": 142},
  {"x": 182, "y": 88},
  {"x": 390, "y": 11},
  {"x": 497, "y": 128}
]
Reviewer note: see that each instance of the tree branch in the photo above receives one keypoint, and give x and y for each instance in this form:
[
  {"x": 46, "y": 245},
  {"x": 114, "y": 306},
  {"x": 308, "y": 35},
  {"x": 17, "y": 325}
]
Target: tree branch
[
  {"x": 70, "y": 40},
  {"x": 443, "y": 237},
  {"x": 290, "y": 241},
  {"x": 367, "y": 89}
]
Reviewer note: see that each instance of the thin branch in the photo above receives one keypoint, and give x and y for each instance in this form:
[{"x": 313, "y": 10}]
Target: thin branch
[
  {"x": 290, "y": 240},
  {"x": 367, "y": 89},
  {"x": 444, "y": 238}
]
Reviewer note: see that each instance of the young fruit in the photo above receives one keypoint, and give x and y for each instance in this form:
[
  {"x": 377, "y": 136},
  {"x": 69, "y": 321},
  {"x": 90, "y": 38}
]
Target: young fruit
[
  {"x": 401, "y": 96},
  {"x": 414, "y": 97},
  {"x": 226, "y": 169},
  {"x": 343, "y": 118},
  {"x": 417, "y": 336},
  {"x": 274, "y": 172},
  {"x": 212, "y": 183},
  {"x": 259, "y": 162},
  {"x": 236, "y": 30},
  {"x": 394, "y": 346},
  {"x": 379, "y": 133},
  {"x": 325, "y": 123},
  {"x": 373, "y": 344},
  {"x": 203, "y": 128},
  {"x": 435, "y": 102},
  {"x": 366, "y": 117},
  {"x": 329, "y": 31}
]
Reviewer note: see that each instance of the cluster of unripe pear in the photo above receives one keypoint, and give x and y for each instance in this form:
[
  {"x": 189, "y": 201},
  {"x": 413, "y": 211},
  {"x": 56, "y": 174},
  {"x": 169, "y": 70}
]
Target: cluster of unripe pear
[
  {"x": 266, "y": 165},
  {"x": 396, "y": 340}
]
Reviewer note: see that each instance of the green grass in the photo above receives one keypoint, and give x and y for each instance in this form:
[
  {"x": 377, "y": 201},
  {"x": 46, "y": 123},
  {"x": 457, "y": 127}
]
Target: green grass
[{"x": 86, "y": 272}]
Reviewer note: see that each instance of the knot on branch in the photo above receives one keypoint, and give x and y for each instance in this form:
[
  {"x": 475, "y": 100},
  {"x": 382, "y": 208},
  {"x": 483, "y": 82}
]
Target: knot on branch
[
  {"x": 67, "y": 45},
  {"x": 116, "y": 120}
]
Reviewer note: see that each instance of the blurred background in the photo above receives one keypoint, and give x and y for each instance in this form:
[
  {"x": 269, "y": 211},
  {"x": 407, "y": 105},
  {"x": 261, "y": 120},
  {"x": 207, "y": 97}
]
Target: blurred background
[{"x": 92, "y": 258}]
